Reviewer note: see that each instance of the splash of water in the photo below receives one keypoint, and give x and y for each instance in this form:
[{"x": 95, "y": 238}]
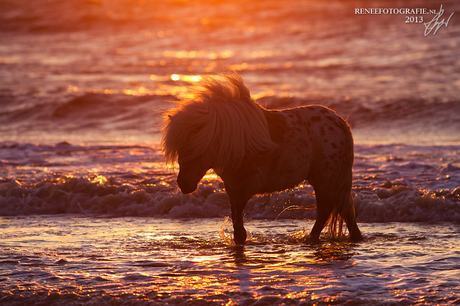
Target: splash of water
[
  {"x": 298, "y": 236},
  {"x": 226, "y": 232}
]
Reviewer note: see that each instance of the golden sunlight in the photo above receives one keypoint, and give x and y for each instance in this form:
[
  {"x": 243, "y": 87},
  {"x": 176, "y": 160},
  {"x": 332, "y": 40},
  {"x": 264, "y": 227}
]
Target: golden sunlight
[
  {"x": 211, "y": 176},
  {"x": 186, "y": 78},
  {"x": 99, "y": 179}
]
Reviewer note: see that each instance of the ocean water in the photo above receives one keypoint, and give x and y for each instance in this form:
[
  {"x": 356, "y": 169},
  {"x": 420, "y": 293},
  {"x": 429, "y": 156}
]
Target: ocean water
[
  {"x": 65, "y": 260},
  {"x": 90, "y": 214}
]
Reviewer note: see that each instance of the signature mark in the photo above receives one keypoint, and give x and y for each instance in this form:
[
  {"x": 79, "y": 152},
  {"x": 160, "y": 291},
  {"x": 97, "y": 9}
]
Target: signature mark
[{"x": 435, "y": 24}]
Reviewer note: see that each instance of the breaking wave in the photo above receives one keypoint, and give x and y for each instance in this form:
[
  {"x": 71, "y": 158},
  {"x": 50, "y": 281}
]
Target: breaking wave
[{"x": 396, "y": 189}]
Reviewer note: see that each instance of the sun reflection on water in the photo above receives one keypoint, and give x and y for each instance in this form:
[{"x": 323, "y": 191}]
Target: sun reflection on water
[
  {"x": 158, "y": 260},
  {"x": 186, "y": 78}
]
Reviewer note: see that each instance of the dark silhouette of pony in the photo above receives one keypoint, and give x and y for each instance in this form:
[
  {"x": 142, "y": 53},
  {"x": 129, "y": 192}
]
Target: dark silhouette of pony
[{"x": 255, "y": 151}]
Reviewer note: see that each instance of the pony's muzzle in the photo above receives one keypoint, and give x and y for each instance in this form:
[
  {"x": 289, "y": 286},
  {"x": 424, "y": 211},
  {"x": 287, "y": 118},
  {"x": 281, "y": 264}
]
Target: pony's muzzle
[{"x": 185, "y": 186}]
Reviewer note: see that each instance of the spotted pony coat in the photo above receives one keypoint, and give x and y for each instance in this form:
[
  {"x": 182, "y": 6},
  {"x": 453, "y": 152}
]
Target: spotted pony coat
[{"x": 315, "y": 144}]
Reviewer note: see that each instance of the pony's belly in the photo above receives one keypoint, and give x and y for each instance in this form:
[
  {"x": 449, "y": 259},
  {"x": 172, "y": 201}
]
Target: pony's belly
[{"x": 286, "y": 177}]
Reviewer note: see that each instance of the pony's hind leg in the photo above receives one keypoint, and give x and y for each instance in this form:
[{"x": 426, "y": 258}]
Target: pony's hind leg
[
  {"x": 345, "y": 207},
  {"x": 323, "y": 212},
  {"x": 349, "y": 216}
]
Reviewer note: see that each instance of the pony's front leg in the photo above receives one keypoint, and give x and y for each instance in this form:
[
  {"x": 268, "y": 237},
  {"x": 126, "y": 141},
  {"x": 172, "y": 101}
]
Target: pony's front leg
[
  {"x": 238, "y": 194},
  {"x": 239, "y": 232},
  {"x": 238, "y": 201}
]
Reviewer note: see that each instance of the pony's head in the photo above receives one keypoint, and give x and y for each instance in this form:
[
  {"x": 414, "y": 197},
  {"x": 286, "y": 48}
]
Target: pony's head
[{"x": 216, "y": 128}]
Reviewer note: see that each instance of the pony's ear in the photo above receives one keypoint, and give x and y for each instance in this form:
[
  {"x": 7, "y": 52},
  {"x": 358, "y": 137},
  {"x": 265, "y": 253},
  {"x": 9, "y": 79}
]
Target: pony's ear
[{"x": 170, "y": 117}]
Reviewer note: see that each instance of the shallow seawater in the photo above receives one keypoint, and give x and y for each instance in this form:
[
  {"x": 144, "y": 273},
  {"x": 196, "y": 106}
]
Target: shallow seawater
[{"x": 114, "y": 261}]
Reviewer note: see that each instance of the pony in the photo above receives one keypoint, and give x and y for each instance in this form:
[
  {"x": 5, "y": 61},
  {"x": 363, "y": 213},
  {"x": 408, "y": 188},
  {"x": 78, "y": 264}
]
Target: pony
[{"x": 255, "y": 151}]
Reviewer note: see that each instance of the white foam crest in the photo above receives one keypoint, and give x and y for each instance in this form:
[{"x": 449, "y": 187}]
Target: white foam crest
[
  {"x": 388, "y": 202},
  {"x": 403, "y": 204}
]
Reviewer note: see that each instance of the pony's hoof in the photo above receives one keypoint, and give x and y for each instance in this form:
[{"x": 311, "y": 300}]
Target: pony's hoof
[
  {"x": 356, "y": 238},
  {"x": 312, "y": 240},
  {"x": 239, "y": 235},
  {"x": 239, "y": 241}
]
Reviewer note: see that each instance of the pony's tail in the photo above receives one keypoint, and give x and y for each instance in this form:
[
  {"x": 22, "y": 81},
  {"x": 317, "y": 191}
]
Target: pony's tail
[
  {"x": 343, "y": 208},
  {"x": 335, "y": 226}
]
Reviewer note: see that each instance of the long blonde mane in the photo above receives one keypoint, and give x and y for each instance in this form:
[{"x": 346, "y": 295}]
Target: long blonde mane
[{"x": 221, "y": 118}]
